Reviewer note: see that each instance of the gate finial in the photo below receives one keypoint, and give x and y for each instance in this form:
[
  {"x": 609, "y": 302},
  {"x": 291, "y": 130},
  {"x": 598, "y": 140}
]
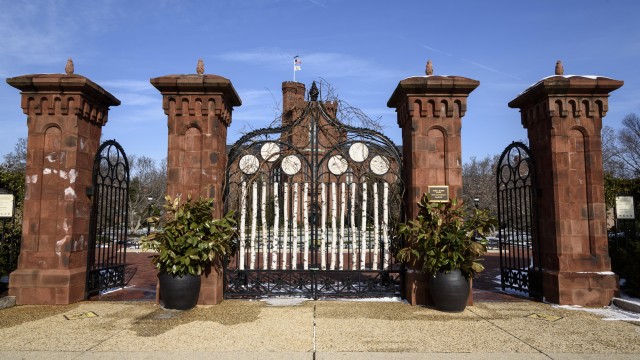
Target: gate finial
[
  {"x": 429, "y": 69},
  {"x": 200, "y": 67},
  {"x": 559, "y": 68},
  {"x": 313, "y": 92},
  {"x": 69, "y": 68}
]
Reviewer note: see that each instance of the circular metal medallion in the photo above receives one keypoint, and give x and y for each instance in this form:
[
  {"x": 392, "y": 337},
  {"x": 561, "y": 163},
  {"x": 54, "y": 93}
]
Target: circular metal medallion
[
  {"x": 291, "y": 165},
  {"x": 358, "y": 152},
  {"x": 249, "y": 164},
  {"x": 270, "y": 151},
  {"x": 379, "y": 165},
  {"x": 337, "y": 165}
]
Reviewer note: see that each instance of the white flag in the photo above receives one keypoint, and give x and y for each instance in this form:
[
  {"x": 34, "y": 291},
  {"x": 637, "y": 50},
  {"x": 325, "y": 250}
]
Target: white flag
[{"x": 296, "y": 63}]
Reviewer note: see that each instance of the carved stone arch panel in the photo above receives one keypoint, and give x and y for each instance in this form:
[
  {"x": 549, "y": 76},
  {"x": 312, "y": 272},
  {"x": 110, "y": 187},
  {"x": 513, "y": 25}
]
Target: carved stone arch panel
[
  {"x": 573, "y": 108},
  {"x": 457, "y": 108},
  {"x": 560, "y": 109},
  {"x": 44, "y": 105},
  {"x": 184, "y": 107},
  {"x": 586, "y": 108},
  {"x": 57, "y": 106},
  {"x": 578, "y": 169},
  {"x": 436, "y": 158},
  {"x": 191, "y": 129},
  {"x": 431, "y": 108},
  {"x": 444, "y": 108},
  {"x": 49, "y": 124},
  {"x": 171, "y": 107},
  {"x": 600, "y": 108},
  {"x": 198, "y": 109},
  {"x": 417, "y": 107}
]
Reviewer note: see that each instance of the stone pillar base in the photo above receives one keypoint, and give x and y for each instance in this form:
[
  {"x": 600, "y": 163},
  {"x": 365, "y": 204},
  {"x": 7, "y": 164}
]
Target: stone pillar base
[
  {"x": 416, "y": 289},
  {"x": 47, "y": 286},
  {"x": 580, "y": 288},
  {"x": 212, "y": 287}
]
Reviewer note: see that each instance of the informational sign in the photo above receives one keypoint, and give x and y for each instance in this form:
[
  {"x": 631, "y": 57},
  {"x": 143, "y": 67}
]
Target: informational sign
[
  {"x": 624, "y": 207},
  {"x": 438, "y": 193},
  {"x": 6, "y": 205}
]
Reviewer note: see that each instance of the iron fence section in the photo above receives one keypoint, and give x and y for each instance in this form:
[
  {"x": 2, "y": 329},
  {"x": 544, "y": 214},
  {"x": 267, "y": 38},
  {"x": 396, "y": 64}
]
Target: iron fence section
[
  {"x": 316, "y": 202},
  {"x": 109, "y": 219},
  {"x": 520, "y": 265}
]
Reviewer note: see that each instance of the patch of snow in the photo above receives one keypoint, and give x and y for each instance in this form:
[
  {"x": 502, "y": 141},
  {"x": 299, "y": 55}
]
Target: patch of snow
[
  {"x": 285, "y": 301},
  {"x": 46, "y": 171},
  {"x": 608, "y": 313},
  {"x": 596, "y": 272},
  {"x": 381, "y": 299},
  {"x": 424, "y": 76},
  {"x": 593, "y": 77}
]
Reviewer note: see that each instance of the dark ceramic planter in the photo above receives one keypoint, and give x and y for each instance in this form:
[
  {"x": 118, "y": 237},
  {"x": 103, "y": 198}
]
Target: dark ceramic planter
[
  {"x": 449, "y": 291},
  {"x": 179, "y": 293}
]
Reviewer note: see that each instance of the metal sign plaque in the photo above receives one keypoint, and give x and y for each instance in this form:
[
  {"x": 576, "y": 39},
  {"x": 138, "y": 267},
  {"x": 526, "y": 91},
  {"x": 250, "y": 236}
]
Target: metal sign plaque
[
  {"x": 624, "y": 207},
  {"x": 6, "y": 205},
  {"x": 438, "y": 193}
]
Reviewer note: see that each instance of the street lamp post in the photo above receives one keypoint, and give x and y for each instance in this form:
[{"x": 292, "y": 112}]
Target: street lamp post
[{"x": 149, "y": 199}]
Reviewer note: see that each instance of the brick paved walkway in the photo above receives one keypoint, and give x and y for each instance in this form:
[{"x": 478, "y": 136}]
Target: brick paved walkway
[{"x": 141, "y": 279}]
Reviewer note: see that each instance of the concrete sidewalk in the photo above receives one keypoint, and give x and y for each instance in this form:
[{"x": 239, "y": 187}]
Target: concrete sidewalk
[{"x": 296, "y": 329}]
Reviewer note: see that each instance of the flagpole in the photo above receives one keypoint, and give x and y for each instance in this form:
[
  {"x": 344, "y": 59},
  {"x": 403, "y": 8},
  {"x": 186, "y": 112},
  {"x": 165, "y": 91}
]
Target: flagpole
[{"x": 296, "y": 66}]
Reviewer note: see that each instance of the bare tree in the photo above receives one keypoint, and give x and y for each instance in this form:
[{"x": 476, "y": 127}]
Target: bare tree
[
  {"x": 346, "y": 113},
  {"x": 628, "y": 147},
  {"x": 611, "y": 162},
  {"x": 479, "y": 182},
  {"x": 147, "y": 189},
  {"x": 16, "y": 161}
]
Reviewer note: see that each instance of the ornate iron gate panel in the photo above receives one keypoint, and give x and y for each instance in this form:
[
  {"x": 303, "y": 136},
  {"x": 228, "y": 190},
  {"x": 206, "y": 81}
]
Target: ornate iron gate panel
[
  {"x": 315, "y": 201},
  {"x": 109, "y": 219},
  {"x": 517, "y": 213}
]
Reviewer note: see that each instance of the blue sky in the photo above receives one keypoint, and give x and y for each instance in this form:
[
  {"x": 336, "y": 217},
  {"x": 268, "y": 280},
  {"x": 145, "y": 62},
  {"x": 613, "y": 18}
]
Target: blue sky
[{"x": 363, "y": 48}]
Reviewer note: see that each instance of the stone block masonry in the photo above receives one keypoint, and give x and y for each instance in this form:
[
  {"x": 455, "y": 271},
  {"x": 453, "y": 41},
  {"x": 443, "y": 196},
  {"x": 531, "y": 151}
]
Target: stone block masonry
[{"x": 65, "y": 115}]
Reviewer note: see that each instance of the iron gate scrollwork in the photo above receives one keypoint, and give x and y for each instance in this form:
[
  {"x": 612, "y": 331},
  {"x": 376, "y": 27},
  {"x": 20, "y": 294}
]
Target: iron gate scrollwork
[
  {"x": 517, "y": 214},
  {"x": 315, "y": 201},
  {"x": 109, "y": 219}
]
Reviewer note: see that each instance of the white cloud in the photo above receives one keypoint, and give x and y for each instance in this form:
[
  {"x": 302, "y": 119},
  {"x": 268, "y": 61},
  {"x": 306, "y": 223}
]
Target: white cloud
[{"x": 47, "y": 32}]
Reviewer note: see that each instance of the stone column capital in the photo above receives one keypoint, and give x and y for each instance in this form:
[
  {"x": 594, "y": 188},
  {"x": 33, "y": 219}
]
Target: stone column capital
[
  {"x": 564, "y": 95},
  {"x": 57, "y": 94},
  {"x": 200, "y": 93}
]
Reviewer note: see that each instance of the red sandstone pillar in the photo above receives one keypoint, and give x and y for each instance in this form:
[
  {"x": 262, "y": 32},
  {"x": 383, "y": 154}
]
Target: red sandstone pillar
[
  {"x": 65, "y": 115},
  {"x": 198, "y": 108},
  {"x": 563, "y": 117},
  {"x": 430, "y": 110}
]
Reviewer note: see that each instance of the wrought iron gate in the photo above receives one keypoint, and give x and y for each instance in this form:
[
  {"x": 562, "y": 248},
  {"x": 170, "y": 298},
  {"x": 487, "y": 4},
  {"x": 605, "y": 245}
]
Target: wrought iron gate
[
  {"x": 517, "y": 213},
  {"x": 109, "y": 219},
  {"x": 315, "y": 201}
]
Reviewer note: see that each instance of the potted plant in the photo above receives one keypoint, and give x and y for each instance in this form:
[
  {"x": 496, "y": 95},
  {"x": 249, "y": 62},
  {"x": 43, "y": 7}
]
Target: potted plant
[
  {"x": 190, "y": 241},
  {"x": 447, "y": 241}
]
